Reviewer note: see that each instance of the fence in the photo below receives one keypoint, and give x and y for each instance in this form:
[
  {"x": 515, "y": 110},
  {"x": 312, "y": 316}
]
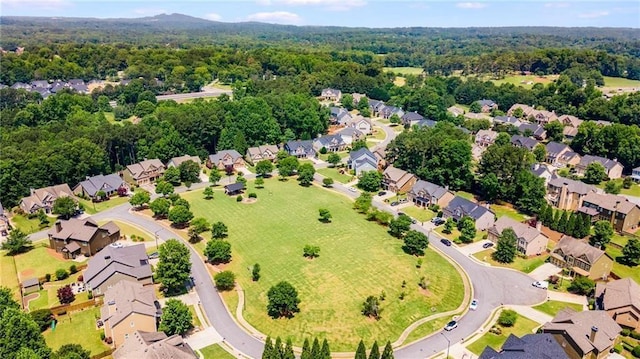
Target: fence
[
  {"x": 103, "y": 354},
  {"x": 75, "y": 307}
]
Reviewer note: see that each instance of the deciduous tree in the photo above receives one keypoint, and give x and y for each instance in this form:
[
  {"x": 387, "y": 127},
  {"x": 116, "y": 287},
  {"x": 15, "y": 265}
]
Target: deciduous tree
[
  {"x": 602, "y": 233},
  {"x": 17, "y": 242},
  {"x": 172, "y": 175},
  {"x": 219, "y": 230},
  {"x": 370, "y": 181},
  {"x": 140, "y": 198},
  {"x": 189, "y": 172},
  {"x": 283, "y": 300},
  {"x": 180, "y": 215},
  {"x": 594, "y": 173},
  {"x": 65, "y": 295},
  {"x": 225, "y": 280},
  {"x": 399, "y": 226},
  {"x": 467, "y": 228},
  {"x": 264, "y": 168},
  {"x": 371, "y": 307},
  {"x": 176, "y": 318},
  {"x": 325, "y": 215},
  {"x": 415, "y": 243},
  {"x": 333, "y": 159},
  {"x": 208, "y": 193},
  {"x": 287, "y": 166},
  {"x": 64, "y": 207},
  {"x": 506, "y": 248},
  {"x": 160, "y": 207},
  {"x": 631, "y": 252},
  {"x": 174, "y": 266},
  {"x": 218, "y": 251},
  {"x": 214, "y": 176},
  {"x": 305, "y": 174}
]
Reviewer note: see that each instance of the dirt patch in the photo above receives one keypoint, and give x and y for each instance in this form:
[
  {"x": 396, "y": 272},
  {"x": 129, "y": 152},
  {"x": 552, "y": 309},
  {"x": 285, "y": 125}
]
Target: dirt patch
[
  {"x": 27, "y": 273},
  {"x": 425, "y": 292},
  {"x": 249, "y": 200},
  {"x": 55, "y": 254}
]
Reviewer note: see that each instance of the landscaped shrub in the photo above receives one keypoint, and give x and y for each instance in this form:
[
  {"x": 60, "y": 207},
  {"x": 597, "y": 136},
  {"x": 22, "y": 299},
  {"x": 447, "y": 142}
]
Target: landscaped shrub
[
  {"x": 495, "y": 330},
  {"x": 625, "y": 332},
  {"x": 109, "y": 340},
  {"x": 635, "y": 335},
  {"x": 102, "y": 336},
  {"x": 89, "y": 295},
  {"x": 618, "y": 348},
  {"x": 73, "y": 269},
  {"x": 507, "y": 318},
  {"x": 636, "y": 351},
  {"x": 253, "y": 195},
  {"x": 47, "y": 277},
  {"x": 61, "y": 274},
  {"x": 225, "y": 280},
  {"x": 239, "y": 198},
  {"x": 554, "y": 279},
  {"x": 80, "y": 278}
]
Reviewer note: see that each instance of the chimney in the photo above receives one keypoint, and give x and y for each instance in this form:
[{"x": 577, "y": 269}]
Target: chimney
[
  {"x": 539, "y": 225},
  {"x": 58, "y": 226},
  {"x": 32, "y": 191},
  {"x": 592, "y": 336}
]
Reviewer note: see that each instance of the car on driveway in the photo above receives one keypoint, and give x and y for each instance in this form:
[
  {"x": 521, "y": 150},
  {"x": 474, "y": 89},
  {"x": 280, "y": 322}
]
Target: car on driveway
[
  {"x": 446, "y": 242},
  {"x": 351, "y": 189},
  {"x": 474, "y": 304},
  {"x": 382, "y": 193},
  {"x": 394, "y": 203},
  {"x": 487, "y": 245},
  {"x": 542, "y": 284},
  {"x": 438, "y": 221},
  {"x": 451, "y": 326}
]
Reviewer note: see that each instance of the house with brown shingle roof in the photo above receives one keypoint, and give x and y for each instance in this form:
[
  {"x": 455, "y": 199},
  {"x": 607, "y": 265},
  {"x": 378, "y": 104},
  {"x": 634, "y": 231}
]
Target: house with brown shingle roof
[
  {"x": 259, "y": 153},
  {"x": 612, "y": 168},
  {"x": 581, "y": 258},
  {"x": 129, "y": 307},
  {"x": 589, "y": 334},
  {"x": 570, "y": 121},
  {"x": 397, "y": 180},
  {"x": 144, "y": 172},
  {"x": 526, "y": 110},
  {"x": 177, "y": 161},
  {"x": 621, "y": 300},
  {"x": 112, "y": 265},
  {"x": 226, "y": 160},
  {"x": 43, "y": 198},
  {"x": 425, "y": 194},
  {"x": 623, "y": 214},
  {"x": 154, "y": 345},
  {"x": 76, "y": 237},
  {"x": 530, "y": 241},
  {"x": 567, "y": 194}
]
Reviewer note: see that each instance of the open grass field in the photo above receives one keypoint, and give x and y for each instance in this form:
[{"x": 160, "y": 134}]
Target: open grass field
[
  {"x": 620, "y": 82},
  {"x": 522, "y": 327},
  {"x": 8, "y": 274},
  {"x": 620, "y": 269},
  {"x": 77, "y": 328},
  {"x": 524, "y": 265},
  {"x": 40, "y": 261},
  {"x": 337, "y": 176},
  {"x": 93, "y": 208},
  {"x": 215, "y": 352},
  {"x": 552, "y": 307},
  {"x": 27, "y": 225},
  {"x": 502, "y": 210},
  {"x": 420, "y": 214},
  {"x": 404, "y": 70},
  {"x": 130, "y": 229},
  {"x": 357, "y": 259},
  {"x": 526, "y": 81}
]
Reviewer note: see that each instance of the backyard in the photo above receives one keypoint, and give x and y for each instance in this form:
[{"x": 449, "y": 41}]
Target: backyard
[
  {"x": 354, "y": 262},
  {"x": 633, "y": 191},
  {"x": 522, "y": 327},
  {"x": 504, "y": 210},
  {"x": 620, "y": 269},
  {"x": 552, "y": 307},
  {"x": 336, "y": 175},
  {"x": 8, "y": 275},
  {"x": 526, "y": 265},
  {"x": 77, "y": 328},
  {"x": 39, "y": 261},
  {"x": 29, "y": 226}
]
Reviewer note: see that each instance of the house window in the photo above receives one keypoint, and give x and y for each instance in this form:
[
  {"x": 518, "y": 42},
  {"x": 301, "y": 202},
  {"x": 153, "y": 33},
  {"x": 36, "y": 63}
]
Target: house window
[
  {"x": 126, "y": 335},
  {"x": 132, "y": 324}
]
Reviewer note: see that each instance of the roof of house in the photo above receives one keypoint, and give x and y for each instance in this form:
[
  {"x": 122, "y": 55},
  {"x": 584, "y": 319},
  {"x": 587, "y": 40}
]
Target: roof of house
[
  {"x": 177, "y": 161},
  {"x": 618, "y": 294},
  {"x": 30, "y": 282},
  {"x": 426, "y": 123},
  {"x": 536, "y": 129},
  {"x": 573, "y": 186},
  {"x": 328, "y": 140},
  {"x": 569, "y": 131},
  {"x": 128, "y": 298},
  {"x": 97, "y": 183},
  {"x": 395, "y": 174},
  {"x": 508, "y": 120},
  {"x": 456, "y": 110},
  {"x": 522, "y": 230},
  {"x": 468, "y": 208},
  {"x": 331, "y": 92},
  {"x": 571, "y": 121},
  {"x": 154, "y": 345},
  {"x": 307, "y": 145},
  {"x": 260, "y": 150},
  {"x": 610, "y": 202},
  {"x": 82, "y": 230},
  {"x": 577, "y": 248},
  {"x": 131, "y": 261},
  {"x": 234, "y": 187},
  {"x": 578, "y": 326},
  {"x": 540, "y": 169},
  {"x": 138, "y": 169},
  {"x": 554, "y": 148},
  {"x": 487, "y": 135},
  {"x": 489, "y": 103},
  {"x": 567, "y": 156},
  {"x": 526, "y": 109},
  {"x": 412, "y": 116},
  {"x": 526, "y": 142},
  {"x": 432, "y": 189},
  {"x": 220, "y": 155},
  {"x": 605, "y": 162},
  {"x": 362, "y": 153},
  {"x": 46, "y": 194},
  {"x": 530, "y": 346},
  {"x": 350, "y": 131},
  {"x": 476, "y": 116}
]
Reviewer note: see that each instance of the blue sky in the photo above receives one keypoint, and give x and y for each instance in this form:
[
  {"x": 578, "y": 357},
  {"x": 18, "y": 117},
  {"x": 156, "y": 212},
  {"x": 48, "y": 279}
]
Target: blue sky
[{"x": 368, "y": 13}]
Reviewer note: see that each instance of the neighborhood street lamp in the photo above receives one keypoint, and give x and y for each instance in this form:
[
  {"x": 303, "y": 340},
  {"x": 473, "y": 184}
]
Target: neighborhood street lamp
[
  {"x": 448, "y": 344},
  {"x": 156, "y": 235}
]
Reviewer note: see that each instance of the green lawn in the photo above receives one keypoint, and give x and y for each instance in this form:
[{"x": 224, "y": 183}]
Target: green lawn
[
  {"x": 633, "y": 191},
  {"x": 40, "y": 261},
  {"x": 379, "y": 134},
  {"x": 552, "y": 307},
  {"x": 337, "y": 176},
  {"x": 522, "y": 327},
  {"x": 620, "y": 269},
  {"x": 27, "y": 225},
  {"x": 455, "y": 233},
  {"x": 357, "y": 259},
  {"x": 404, "y": 70},
  {"x": 502, "y": 210},
  {"x": 620, "y": 82},
  {"x": 325, "y": 157},
  {"x": 93, "y": 208},
  {"x": 129, "y": 229},
  {"x": 466, "y": 195},
  {"x": 420, "y": 214},
  {"x": 196, "y": 321},
  {"x": 215, "y": 352},
  {"x": 524, "y": 265},
  {"x": 77, "y": 328},
  {"x": 8, "y": 274}
]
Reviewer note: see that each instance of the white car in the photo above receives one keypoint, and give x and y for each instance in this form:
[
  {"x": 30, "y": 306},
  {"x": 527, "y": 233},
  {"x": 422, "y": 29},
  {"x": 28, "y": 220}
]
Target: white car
[
  {"x": 352, "y": 189},
  {"x": 542, "y": 284},
  {"x": 474, "y": 304},
  {"x": 451, "y": 326}
]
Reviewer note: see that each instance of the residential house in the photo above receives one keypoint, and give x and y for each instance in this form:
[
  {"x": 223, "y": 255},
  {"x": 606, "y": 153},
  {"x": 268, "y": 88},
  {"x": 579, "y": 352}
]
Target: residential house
[
  {"x": 112, "y": 265},
  {"x": 570, "y": 121},
  {"x": 144, "y": 172},
  {"x": 21, "y": 86},
  {"x": 567, "y": 194},
  {"x": 330, "y": 94},
  {"x": 234, "y": 188},
  {"x": 300, "y": 149},
  {"x": 507, "y": 120},
  {"x": 30, "y": 285},
  {"x": 76, "y": 237},
  {"x": 425, "y": 123},
  {"x": 613, "y": 168},
  {"x": 530, "y": 346},
  {"x": 376, "y": 107},
  {"x": 554, "y": 151},
  {"x": 154, "y": 345},
  {"x": 260, "y": 153},
  {"x": 362, "y": 124},
  {"x": 635, "y": 174},
  {"x": 456, "y": 111},
  {"x": 569, "y": 132},
  {"x": 339, "y": 116},
  {"x": 542, "y": 171},
  {"x": 588, "y": 334},
  {"x": 43, "y": 198},
  {"x": 350, "y": 134},
  {"x": 129, "y": 307},
  {"x": 623, "y": 214},
  {"x": 397, "y": 180},
  {"x": 459, "y": 207},
  {"x": 226, "y": 160},
  {"x": 487, "y": 105},
  {"x": 177, "y": 161},
  {"x": 530, "y": 240},
  {"x": 357, "y": 97},
  {"x": 581, "y": 258},
  {"x": 526, "y": 110},
  {"x": 537, "y": 131},
  {"x": 332, "y": 143},
  {"x": 425, "y": 194},
  {"x": 568, "y": 159},
  {"x": 411, "y": 118},
  {"x": 542, "y": 117},
  {"x": 362, "y": 160},
  {"x": 486, "y": 138},
  {"x": 388, "y": 111},
  {"x": 44, "y": 84},
  {"x": 109, "y": 184},
  {"x": 621, "y": 300},
  {"x": 525, "y": 142},
  {"x": 381, "y": 153}
]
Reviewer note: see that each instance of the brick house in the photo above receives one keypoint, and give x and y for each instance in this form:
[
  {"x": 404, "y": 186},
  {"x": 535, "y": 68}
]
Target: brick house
[{"x": 76, "y": 237}]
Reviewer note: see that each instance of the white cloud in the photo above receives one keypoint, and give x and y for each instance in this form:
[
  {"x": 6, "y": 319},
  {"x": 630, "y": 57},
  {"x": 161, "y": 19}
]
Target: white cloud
[
  {"x": 278, "y": 17},
  {"x": 556, "y": 5},
  {"x": 471, "y": 5},
  {"x": 593, "y": 14},
  {"x": 42, "y": 4},
  {"x": 213, "y": 16},
  {"x": 333, "y": 5}
]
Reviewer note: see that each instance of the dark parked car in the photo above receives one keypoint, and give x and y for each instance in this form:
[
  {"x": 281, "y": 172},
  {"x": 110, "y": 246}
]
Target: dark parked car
[
  {"x": 382, "y": 193},
  {"x": 487, "y": 245},
  {"x": 154, "y": 255},
  {"x": 438, "y": 221},
  {"x": 394, "y": 203},
  {"x": 446, "y": 242}
]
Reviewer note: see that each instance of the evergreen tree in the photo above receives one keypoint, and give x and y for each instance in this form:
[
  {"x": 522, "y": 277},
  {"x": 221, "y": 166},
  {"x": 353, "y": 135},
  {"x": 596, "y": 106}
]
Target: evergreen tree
[
  {"x": 325, "y": 352},
  {"x": 546, "y": 215},
  {"x": 268, "y": 349},
  {"x": 556, "y": 220},
  {"x": 562, "y": 223},
  {"x": 361, "y": 352},
  {"x": 306, "y": 351},
  {"x": 387, "y": 353},
  {"x": 571, "y": 225},
  {"x": 375, "y": 351},
  {"x": 315, "y": 349},
  {"x": 288, "y": 351},
  {"x": 278, "y": 349},
  {"x": 586, "y": 229}
]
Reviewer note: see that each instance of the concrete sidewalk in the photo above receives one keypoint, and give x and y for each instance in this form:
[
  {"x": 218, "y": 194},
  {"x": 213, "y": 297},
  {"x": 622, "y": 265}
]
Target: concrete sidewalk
[
  {"x": 568, "y": 297},
  {"x": 535, "y": 315}
]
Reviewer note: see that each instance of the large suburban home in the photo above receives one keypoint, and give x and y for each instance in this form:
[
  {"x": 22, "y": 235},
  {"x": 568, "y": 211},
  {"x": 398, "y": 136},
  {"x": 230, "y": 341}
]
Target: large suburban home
[
  {"x": 554, "y": 151},
  {"x": 339, "y": 116},
  {"x": 129, "y": 307},
  {"x": 623, "y": 214},
  {"x": 350, "y": 135},
  {"x": 570, "y": 121},
  {"x": 537, "y": 131},
  {"x": 524, "y": 142},
  {"x": 144, "y": 172},
  {"x": 397, "y": 180},
  {"x": 459, "y": 207},
  {"x": 567, "y": 194},
  {"x": 613, "y": 168},
  {"x": 588, "y": 334},
  {"x": 109, "y": 184},
  {"x": 486, "y": 138},
  {"x": 357, "y": 97},
  {"x": 332, "y": 143},
  {"x": 330, "y": 94},
  {"x": 425, "y": 194},
  {"x": 530, "y": 346},
  {"x": 361, "y": 124},
  {"x": 112, "y": 265},
  {"x": 300, "y": 149},
  {"x": 621, "y": 300},
  {"x": 569, "y": 132},
  {"x": 526, "y": 110},
  {"x": 542, "y": 117},
  {"x": 226, "y": 160},
  {"x": 635, "y": 174},
  {"x": 411, "y": 118},
  {"x": 260, "y": 153},
  {"x": 361, "y": 161},
  {"x": 376, "y": 107},
  {"x": 507, "y": 120},
  {"x": 76, "y": 237},
  {"x": 43, "y": 198},
  {"x": 388, "y": 111},
  {"x": 568, "y": 159},
  {"x": 381, "y": 154},
  {"x": 530, "y": 240},
  {"x": 542, "y": 171},
  {"x": 456, "y": 111},
  {"x": 487, "y": 105},
  {"x": 177, "y": 161},
  {"x": 581, "y": 258},
  {"x": 154, "y": 345},
  {"x": 425, "y": 123}
]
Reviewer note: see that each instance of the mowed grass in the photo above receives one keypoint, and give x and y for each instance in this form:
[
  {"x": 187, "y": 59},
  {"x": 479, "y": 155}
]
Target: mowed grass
[
  {"x": 621, "y": 270},
  {"x": 93, "y": 208},
  {"x": 502, "y": 210},
  {"x": 620, "y": 82},
  {"x": 77, "y": 328},
  {"x": 8, "y": 274},
  {"x": 633, "y": 191},
  {"x": 526, "y": 265},
  {"x": 357, "y": 259},
  {"x": 336, "y": 175},
  {"x": 522, "y": 327},
  {"x": 40, "y": 261},
  {"x": 552, "y": 307},
  {"x": 215, "y": 352},
  {"x": 420, "y": 214},
  {"x": 404, "y": 70},
  {"x": 27, "y": 225},
  {"x": 129, "y": 230}
]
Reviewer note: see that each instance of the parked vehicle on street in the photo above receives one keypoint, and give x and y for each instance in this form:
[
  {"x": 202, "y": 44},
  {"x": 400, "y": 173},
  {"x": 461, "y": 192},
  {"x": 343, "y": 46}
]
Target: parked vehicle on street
[
  {"x": 474, "y": 304},
  {"x": 487, "y": 245},
  {"x": 446, "y": 242},
  {"x": 438, "y": 221},
  {"x": 451, "y": 326},
  {"x": 382, "y": 193},
  {"x": 394, "y": 203},
  {"x": 542, "y": 284}
]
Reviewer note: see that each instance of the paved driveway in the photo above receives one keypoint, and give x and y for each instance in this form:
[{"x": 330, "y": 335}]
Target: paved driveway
[
  {"x": 474, "y": 247},
  {"x": 545, "y": 271}
]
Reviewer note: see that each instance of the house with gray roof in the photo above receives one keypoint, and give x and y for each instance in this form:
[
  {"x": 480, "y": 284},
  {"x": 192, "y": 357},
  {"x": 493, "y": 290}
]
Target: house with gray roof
[
  {"x": 568, "y": 159},
  {"x": 635, "y": 174},
  {"x": 109, "y": 184},
  {"x": 567, "y": 194},
  {"x": 487, "y": 105},
  {"x": 525, "y": 142},
  {"x": 507, "y": 120},
  {"x": 332, "y": 143},
  {"x": 388, "y": 111},
  {"x": 411, "y": 118},
  {"x": 260, "y": 153},
  {"x": 554, "y": 151},
  {"x": 300, "y": 149},
  {"x": 537, "y": 131},
  {"x": 360, "y": 123},
  {"x": 350, "y": 135},
  {"x": 425, "y": 123},
  {"x": 339, "y": 115},
  {"x": 76, "y": 237},
  {"x": 486, "y": 138},
  {"x": 375, "y": 106},
  {"x": 460, "y": 207},
  {"x": 112, "y": 265},
  {"x": 425, "y": 194},
  {"x": 455, "y": 111},
  {"x": 530, "y": 241},
  {"x": 621, "y": 300},
  {"x": 542, "y": 171},
  {"x": 226, "y": 160},
  {"x": 530, "y": 346},
  {"x": 362, "y": 160},
  {"x": 154, "y": 345},
  {"x": 613, "y": 168}
]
